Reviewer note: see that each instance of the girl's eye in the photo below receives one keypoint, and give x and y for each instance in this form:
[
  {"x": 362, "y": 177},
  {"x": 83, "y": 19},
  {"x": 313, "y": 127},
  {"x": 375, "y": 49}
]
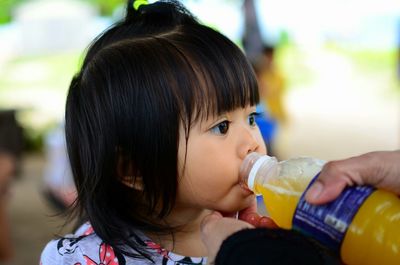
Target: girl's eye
[
  {"x": 221, "y": 128},
  {"x": 252, "y": 119}
]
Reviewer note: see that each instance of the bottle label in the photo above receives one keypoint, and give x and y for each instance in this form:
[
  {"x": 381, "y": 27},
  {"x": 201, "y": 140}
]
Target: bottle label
[{"x": 328, "y": 223}]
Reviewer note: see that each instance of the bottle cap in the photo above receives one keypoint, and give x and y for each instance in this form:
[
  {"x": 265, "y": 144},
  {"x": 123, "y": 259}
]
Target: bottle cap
[
  {"x": 250, "y": 166},
  {"x": 254, "y": 170}
]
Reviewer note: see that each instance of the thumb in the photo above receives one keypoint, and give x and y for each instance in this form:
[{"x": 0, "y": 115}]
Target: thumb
[
  {"x": 325, "y": 189},
  {"x": 334, "y": 177}
]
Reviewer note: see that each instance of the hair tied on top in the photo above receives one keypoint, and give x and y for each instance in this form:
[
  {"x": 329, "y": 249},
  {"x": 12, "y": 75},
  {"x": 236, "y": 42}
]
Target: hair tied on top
[{"x": 138, "y": 3}]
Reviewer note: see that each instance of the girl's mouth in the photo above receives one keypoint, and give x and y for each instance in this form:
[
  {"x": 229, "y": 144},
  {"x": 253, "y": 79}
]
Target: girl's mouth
[{"x": 244, "y": 187}]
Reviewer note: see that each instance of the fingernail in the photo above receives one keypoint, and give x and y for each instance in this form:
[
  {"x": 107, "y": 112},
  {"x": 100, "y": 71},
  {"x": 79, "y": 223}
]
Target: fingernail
[
  {"x": 267, "y": 222},
  {"x": 252, "y": 218},
  {"x": 315, "y": 191}
]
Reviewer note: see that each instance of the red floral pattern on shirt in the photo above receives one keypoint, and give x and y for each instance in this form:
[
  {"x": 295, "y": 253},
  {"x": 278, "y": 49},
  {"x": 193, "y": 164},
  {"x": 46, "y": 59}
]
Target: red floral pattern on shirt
[
  {"x": 163, "y": 252},
  {"x": 88, "y": 231},
  {"x": 106, "y": 255}
]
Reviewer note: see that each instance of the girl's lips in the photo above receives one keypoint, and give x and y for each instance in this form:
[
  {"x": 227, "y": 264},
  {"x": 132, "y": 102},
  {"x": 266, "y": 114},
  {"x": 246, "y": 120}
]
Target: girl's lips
[{"x": 245, "y": 188}]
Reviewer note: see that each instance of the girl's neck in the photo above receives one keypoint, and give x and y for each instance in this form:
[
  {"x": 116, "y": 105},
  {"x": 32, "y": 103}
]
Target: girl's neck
[{"x": 187, "y": 240}]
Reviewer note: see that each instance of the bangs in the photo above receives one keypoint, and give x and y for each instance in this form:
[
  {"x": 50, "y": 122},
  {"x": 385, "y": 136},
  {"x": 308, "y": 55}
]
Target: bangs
[
  {"x": 214, "y": 76},
  {"x": 186, "y": 75}
]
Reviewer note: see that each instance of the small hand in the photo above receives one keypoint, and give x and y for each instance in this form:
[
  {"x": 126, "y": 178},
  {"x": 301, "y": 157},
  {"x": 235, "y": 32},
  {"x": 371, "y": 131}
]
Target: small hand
[
  {"x": 215, "y": 229},
  {"x": 251, "y": 216}
]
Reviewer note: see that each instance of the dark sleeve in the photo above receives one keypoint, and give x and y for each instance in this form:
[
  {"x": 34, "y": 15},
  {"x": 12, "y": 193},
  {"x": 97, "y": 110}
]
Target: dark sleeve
[{"x": 272, "y": 246}]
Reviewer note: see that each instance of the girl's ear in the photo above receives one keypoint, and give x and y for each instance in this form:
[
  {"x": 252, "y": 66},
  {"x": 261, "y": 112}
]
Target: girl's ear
[{"x": 126, "y": 174}]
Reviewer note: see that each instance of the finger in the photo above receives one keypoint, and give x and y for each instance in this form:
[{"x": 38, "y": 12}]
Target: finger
[
  {"x": 325, "y": 190},
  {"x": 334, "y": 177},
  {"x": 258, "y": 220},
  {"x": 267, "y": 223},
  {"x": 322, "y": 192},
  {"x": 251, "y": 218},
  {"x": 251, "y": 210}
]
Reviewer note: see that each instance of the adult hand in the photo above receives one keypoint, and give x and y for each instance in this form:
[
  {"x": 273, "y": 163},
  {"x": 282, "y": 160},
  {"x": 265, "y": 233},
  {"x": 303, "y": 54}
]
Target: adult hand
[{"x": 378, "y": 169}]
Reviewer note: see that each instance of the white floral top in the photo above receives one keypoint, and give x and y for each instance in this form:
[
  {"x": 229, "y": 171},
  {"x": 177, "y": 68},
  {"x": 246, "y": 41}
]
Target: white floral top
[{"x": 86, "y": 248}]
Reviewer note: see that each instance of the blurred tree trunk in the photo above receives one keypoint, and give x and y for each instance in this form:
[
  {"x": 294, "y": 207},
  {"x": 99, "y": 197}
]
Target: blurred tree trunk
[{"x": 252, "y": 39}]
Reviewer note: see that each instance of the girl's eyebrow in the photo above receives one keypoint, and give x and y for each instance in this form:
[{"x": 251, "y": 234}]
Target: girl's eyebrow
[{"x": 216, "y": 117}]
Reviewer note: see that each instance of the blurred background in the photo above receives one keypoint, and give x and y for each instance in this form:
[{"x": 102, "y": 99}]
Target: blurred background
[{"x": 329, "y": 76}]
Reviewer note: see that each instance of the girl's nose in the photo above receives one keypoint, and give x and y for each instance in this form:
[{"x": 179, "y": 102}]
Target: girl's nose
[{"x": 248, "y": 143}]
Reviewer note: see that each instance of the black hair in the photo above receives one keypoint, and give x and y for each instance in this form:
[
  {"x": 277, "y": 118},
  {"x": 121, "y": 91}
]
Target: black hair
[{"x": 143, "y": 78}]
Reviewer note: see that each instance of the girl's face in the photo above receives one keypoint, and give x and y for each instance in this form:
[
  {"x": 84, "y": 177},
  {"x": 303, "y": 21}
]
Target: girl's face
[{"x": 216, "y": 149}]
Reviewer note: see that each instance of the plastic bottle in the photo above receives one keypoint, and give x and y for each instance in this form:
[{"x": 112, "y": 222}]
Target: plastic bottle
[{"x": 362, "y": 223}]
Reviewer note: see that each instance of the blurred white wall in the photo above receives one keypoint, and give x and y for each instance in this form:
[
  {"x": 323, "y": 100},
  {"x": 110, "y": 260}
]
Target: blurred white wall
[{"x": 48, "y": 26}]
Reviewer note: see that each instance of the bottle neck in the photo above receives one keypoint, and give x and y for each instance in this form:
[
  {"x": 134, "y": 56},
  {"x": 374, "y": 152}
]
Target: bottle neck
[{"x": 254, "y": 167}]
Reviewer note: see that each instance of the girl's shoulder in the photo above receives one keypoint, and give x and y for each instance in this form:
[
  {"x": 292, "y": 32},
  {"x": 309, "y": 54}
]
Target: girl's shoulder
[{"x": 85, "y": 247}]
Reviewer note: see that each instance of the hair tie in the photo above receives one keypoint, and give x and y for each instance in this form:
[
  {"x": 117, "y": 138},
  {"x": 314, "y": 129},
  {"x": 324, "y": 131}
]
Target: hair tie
[{"x": 139, "y": 3}]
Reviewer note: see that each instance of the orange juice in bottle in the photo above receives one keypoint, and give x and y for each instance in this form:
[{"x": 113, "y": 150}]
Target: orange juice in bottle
[{"x": 362, "y": 224}]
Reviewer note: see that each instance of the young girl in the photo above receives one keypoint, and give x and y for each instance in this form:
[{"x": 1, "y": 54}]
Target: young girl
[{"x": 158, "y": 122}]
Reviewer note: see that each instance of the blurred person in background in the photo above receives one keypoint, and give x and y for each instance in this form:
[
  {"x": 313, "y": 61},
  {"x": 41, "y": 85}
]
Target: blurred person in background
[
  {"x": 398, "y": 52},
  {"x": 272, "y": 84},
  {"x": 265, "y": 122},
  {"x": 7, "y": 168},
  {"x": 58, "y": 184},
  {"x": 270, "y": 81},
  {"x": 11, "y": 145}
]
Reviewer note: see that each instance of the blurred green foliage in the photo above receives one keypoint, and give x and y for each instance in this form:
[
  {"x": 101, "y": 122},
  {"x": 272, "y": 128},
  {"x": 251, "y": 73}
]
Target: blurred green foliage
[
  {"x": 106, "y": 7},
  {"x": 373, "y": 63},
  {"x": 7, "y": 8}
]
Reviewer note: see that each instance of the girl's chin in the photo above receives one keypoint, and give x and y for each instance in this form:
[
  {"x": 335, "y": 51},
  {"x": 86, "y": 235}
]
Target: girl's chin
[
  {"x": 229, "y": 214},
  {"x": 248, "y": 202}
]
